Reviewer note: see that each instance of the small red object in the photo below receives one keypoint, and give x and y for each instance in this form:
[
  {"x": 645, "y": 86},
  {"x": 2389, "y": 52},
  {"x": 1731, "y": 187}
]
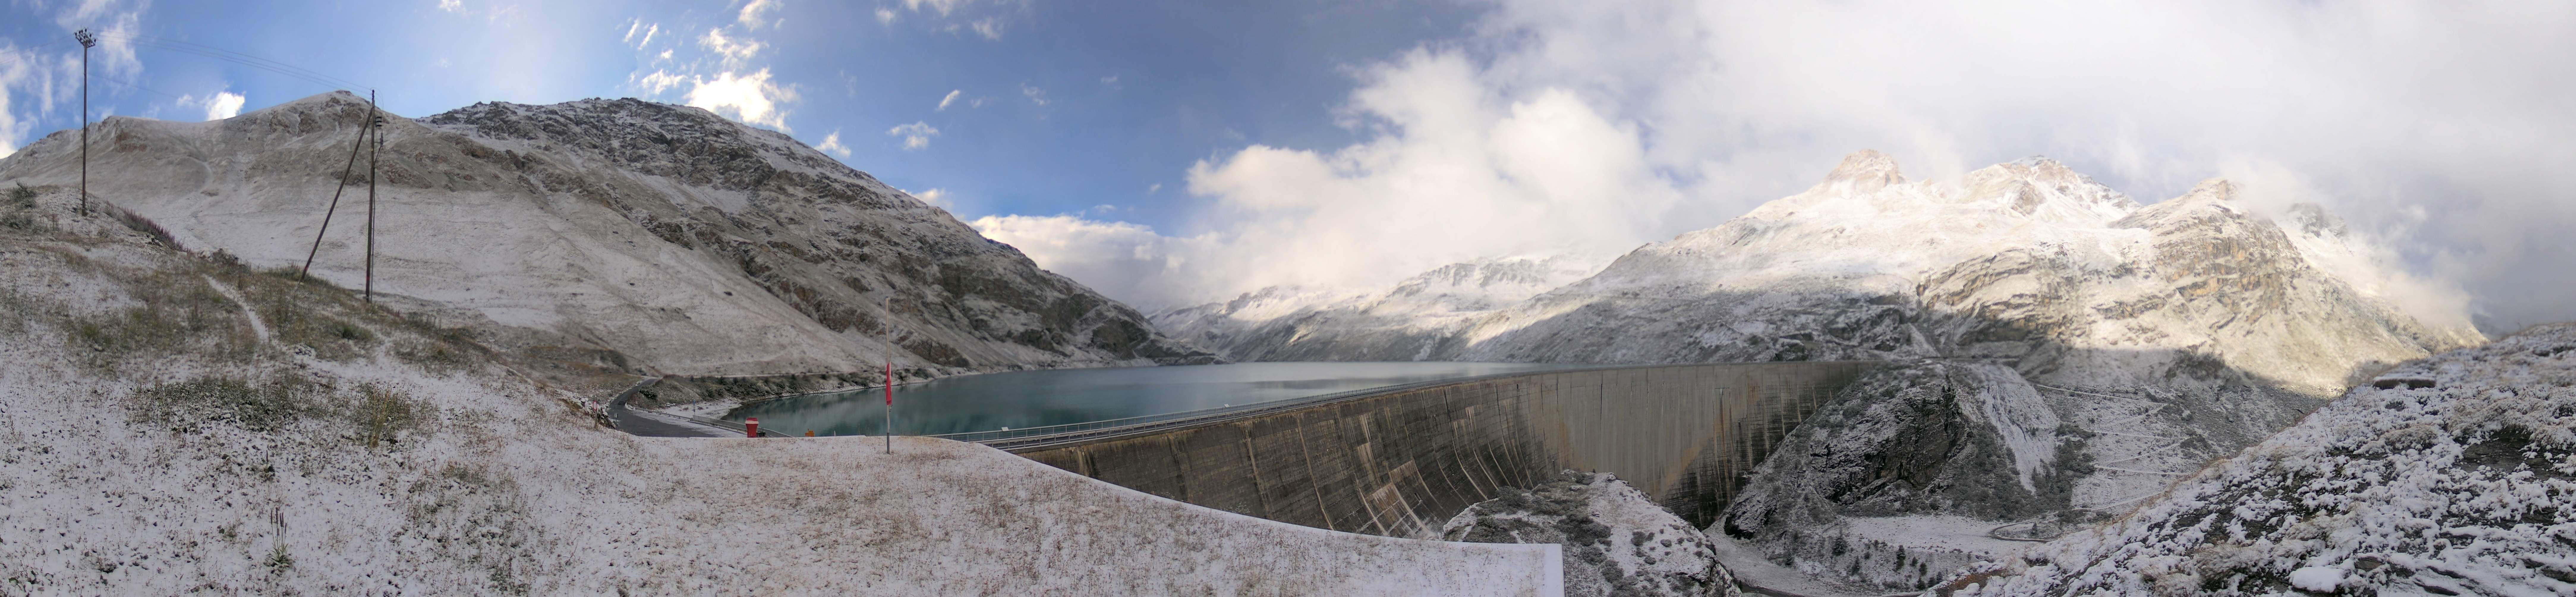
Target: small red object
[{"x": 751, "y": 427}]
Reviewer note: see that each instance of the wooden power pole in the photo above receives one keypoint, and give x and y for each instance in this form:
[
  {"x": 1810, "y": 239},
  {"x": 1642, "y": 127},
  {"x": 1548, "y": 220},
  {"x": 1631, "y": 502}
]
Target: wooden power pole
[
  {"x": 377, "y": 120},
  {"x": 86, "y": 40}
]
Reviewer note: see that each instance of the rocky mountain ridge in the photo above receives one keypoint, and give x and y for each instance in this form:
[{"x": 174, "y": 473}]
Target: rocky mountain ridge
[
  {"x": 2061, "y": 351},
  {"x": 654, "y": 237}
]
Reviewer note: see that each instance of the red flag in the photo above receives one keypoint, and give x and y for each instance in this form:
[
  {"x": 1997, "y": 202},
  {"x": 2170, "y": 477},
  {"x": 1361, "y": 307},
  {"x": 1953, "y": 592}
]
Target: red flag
[{"x": 889, "y": 383}]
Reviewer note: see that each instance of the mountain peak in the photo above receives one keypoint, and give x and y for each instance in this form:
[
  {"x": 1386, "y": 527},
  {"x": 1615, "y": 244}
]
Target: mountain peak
[
  {"x": 1866, "y": 170},
  {"x": 2214, "y": 190}
]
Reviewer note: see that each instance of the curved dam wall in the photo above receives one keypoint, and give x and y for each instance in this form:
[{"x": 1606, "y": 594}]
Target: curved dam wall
[{"x": 1404, "y": 461}]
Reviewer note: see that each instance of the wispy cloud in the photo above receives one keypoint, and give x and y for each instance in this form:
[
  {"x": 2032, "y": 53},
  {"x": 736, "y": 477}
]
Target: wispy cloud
[
  {"x": 832, "y": 145},
  {"x": 915, "y": 136},
  {"x": 753, "y": 13},
  {"x": 950, "y": 99},
  {"x": 1035, "y": 95}
]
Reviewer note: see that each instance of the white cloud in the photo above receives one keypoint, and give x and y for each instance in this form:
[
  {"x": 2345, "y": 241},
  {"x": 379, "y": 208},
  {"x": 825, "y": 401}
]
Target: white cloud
[
  {"x": 1605, "y": 125},
  {"x": 988, "y": 27},
  {"x": 1154, "y": 188},
  {"x": 453, "y": 6},
  {"x": 752, "y": 13},
  {"x": 1111, "y": 81},
  {"x": 915, "y": 136},
  {"x": 641, "y": 33},
  {"x": 832, "y": 145},
  {"x": 1131, "y": 258},
  {"x": 736, "y": 51},
  {"x": 750, "y": 98},
  {"x": 950, "y": 99},
  {"x": 943, "y": 7},
  {"x": 1034, "y": 94},
  {"x": 885, "y": 16},
  {"x": 658, "y": 82},
  {"x": 218, "y": 106},
  {"x": 936, "y": 198}
]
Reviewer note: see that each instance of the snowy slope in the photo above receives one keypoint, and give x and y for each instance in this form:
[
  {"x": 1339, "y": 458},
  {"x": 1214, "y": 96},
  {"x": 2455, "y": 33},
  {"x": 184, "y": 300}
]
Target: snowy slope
[
  {"x": 1616, "y": 540},
  {"x": 2084, "y": 351},
  {"x": 653, "y": 237},
  {"x": 2467, "y": 487},
  {"x": 170, "y": 425},
  {"x": 1417, "y": 319}
]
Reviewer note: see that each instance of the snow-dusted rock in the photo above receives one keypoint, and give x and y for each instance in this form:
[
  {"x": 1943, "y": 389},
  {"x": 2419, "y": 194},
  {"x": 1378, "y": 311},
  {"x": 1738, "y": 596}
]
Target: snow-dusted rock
[
  {"x": 2467, "y": 487},
  {"x": 648, "y": 236},
  {"x": 1418, "y": 319},
  {"x": 1616, "y": 540},
  {"x": 2122, "y": 345}
]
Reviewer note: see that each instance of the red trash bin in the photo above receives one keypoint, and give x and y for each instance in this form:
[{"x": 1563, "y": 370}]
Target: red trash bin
[{"x": 751, "y": 427}]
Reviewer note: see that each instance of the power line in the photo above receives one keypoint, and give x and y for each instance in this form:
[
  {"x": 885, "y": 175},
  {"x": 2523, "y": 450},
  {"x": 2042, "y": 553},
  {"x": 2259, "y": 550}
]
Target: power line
[
  {"x": 314, "y": 76},
  {"x": 27, "y": 52}
]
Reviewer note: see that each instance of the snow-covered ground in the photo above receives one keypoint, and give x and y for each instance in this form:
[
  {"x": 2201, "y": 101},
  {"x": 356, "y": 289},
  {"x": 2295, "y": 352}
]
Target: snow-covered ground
[
  {"x": 642, "y": 236},
  {"x": 1616, "y": 541},
  {"x": 172, "y": 425},
  {"x": 2464, "y": 488}
]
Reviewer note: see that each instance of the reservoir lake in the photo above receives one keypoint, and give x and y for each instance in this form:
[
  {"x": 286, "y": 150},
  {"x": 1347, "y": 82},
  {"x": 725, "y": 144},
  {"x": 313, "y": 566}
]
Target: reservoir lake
[{"x": 1022, "y": 399}]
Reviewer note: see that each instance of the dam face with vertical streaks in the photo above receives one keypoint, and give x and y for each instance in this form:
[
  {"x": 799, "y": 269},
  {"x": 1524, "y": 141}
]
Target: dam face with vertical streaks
[{"x": 1401, "y": 461}]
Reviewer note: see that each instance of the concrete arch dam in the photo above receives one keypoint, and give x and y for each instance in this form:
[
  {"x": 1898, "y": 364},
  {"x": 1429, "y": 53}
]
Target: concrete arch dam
[{"x": 1401, "y": 461}]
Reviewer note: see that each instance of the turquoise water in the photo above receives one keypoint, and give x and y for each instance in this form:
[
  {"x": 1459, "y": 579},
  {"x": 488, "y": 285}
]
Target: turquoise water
[{"x": 1022, "y": 399}]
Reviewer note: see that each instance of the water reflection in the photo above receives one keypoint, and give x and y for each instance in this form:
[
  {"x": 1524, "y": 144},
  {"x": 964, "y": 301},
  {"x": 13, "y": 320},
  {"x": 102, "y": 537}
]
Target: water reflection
[{"x": 1023, "y": 399}]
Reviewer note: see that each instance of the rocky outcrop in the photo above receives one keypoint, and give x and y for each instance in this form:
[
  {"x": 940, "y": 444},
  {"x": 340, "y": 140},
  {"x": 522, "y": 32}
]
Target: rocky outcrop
[
  {"x": 1616, "y": 540},
  {"x": 2463, "y": 486},
  {"x": 658, "y": 238}
]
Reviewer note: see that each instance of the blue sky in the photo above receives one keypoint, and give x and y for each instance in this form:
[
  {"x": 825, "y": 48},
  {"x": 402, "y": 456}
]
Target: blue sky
[
  {"x": 1170, "y": 152},
  {"x": 1061, "y": 107}
]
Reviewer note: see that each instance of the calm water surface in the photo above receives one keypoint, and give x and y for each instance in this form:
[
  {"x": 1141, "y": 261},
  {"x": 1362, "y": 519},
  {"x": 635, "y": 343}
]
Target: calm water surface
[{"x": 1021, "y": 399}]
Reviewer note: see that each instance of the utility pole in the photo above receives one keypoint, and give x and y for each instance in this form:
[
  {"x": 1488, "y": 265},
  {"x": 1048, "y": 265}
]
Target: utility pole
[
  {"x": 377, "y": 122},
  {"x": 86, "y": 40},
  {"x": 340, "y": 185}
]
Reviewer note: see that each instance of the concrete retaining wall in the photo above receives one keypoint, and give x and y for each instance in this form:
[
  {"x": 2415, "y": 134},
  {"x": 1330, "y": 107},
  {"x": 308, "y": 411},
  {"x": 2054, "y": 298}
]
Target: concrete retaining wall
[{"x": 1401, "y": 463}]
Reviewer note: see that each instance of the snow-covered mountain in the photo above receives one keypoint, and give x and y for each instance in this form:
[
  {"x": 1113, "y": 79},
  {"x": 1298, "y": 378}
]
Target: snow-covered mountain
[
  {"x": 2458, "y": 478},
  {"x": 2063, "y": 351},
  {"x": 1415, "y": 320},
  {"x": 653, "y": 236}
]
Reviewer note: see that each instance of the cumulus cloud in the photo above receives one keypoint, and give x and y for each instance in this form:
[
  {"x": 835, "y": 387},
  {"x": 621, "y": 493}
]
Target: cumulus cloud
[
  {"x": 832, "y": 145},
  {"x": 1119, "y": 255},
  {"x": 950, "y": 99},
  {"x": 915, "y": 136},
  {"x": 1599, "y": 126},
  {"x": 750, "y": 98},
  {"x": 885, "y": 16},
  {"x": 217, "y": 106}
]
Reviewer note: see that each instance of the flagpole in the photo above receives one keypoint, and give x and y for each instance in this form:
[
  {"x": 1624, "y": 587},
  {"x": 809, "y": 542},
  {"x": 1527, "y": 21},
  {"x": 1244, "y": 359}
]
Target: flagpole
[{"x": 889, "y": 385}]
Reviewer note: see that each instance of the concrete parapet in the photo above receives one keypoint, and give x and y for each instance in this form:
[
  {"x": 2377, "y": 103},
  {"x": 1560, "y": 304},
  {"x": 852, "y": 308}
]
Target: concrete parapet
[{"x": 1402, "y": 462}]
